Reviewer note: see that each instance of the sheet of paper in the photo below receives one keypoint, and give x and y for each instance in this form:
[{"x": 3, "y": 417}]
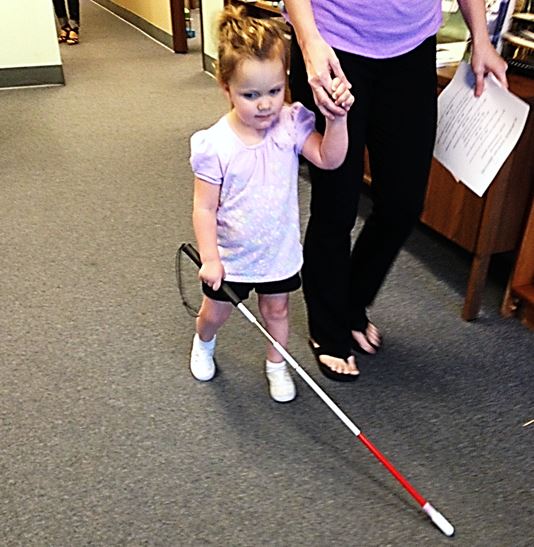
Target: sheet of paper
[{"x": 475, "y": 135}]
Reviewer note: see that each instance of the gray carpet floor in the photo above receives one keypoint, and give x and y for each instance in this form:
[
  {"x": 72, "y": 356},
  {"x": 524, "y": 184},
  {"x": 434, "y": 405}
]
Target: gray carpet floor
[{"x": 105, "y": 438}]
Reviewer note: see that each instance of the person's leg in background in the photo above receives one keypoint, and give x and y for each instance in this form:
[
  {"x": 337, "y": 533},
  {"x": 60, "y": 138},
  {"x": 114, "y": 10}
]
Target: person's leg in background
[
  {"x": 74, "y": 19},
  {"x": 61, "y": 12},
  {"x": 63, "y": 20},
  {"x": 69, "y": 22},
  {"x": 74, "y": 13},
  {"x": 400, "y": 141}
]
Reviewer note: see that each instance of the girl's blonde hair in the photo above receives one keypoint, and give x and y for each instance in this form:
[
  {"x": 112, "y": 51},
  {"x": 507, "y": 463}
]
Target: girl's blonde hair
[{"x": 243, "y": 37}]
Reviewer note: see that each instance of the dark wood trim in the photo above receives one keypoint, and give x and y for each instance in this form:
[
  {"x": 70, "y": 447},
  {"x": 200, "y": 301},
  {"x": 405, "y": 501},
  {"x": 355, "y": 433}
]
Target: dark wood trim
[{"x": 179, "y": 36}]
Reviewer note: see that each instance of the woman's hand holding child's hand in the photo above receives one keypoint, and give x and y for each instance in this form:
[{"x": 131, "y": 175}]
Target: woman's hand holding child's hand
[
  {"x": 341, "y": 94},
  {"x": 212, "y": 273}
]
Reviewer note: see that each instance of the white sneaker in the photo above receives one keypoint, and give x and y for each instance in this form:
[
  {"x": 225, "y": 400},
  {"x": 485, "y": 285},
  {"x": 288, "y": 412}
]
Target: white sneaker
[
  {"x": 281, "y": 386},
  {"x": 202, "y": 364}
]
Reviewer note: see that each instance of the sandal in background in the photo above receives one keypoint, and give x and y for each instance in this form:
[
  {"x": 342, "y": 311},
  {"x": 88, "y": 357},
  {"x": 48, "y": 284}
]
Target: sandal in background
[
  {"x": 63, "y": 34},
  {"x": 73, "y": 37}
]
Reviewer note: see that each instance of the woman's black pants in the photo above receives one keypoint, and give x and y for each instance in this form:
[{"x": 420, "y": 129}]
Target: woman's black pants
[
  {"x": 74, "y": 10},
  {"x": 394, "y": 117}
]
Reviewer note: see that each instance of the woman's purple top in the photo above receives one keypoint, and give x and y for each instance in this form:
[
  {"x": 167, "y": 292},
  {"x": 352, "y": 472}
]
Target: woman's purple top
[{"x": 377, "y": 28}]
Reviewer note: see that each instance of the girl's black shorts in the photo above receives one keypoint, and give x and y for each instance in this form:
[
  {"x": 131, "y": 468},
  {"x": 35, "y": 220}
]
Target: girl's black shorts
[{"x": 243, "y": 289}]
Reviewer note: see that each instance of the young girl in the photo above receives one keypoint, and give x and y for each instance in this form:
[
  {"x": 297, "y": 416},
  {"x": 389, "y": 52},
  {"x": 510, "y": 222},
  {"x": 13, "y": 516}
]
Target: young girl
[{"x": 245, "y": 211}]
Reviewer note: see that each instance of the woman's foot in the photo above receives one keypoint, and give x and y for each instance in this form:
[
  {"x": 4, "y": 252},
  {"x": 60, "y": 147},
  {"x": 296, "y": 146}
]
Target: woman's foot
[
  {"x": 335, "y": 368},
  {"x": 63, "y": 33},
  {"x": 73, "y": 37},
  {"x": 369, "y": 341}
]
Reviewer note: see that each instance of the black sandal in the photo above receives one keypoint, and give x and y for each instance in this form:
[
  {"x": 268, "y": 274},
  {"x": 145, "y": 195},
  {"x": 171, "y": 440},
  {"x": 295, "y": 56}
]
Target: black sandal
[
  {"x": 63, "y": 34},
  {"x": 356, "y": 348},
  {"x": 326, "y": 370}
]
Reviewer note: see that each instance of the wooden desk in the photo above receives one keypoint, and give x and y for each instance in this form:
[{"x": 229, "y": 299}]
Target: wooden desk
[{"x": 492, "y": 223}]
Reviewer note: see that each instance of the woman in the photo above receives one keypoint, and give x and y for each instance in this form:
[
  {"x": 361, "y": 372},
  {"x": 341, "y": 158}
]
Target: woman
[{"x": 386, "y": 50}]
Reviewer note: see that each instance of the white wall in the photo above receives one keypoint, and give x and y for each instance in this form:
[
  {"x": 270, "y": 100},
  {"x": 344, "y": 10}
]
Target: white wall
[
  {"x": 28, "y": 34},
  {"x": 156, "y": 12},
  {"x": 210, "y": 11}
]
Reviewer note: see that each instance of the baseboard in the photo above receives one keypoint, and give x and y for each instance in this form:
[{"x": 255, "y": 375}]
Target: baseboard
[
  {"x": 31, "y": 75},
  {"x": 208, "y": 63},
  {"x": 142, "y": 24}
]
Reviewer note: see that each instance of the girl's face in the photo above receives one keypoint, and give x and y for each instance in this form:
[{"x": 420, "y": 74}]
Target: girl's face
[{"x": 256, "y": 91}]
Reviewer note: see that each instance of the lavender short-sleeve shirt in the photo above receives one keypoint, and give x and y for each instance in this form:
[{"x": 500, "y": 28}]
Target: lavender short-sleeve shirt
[
  {"x": 378, "y": 29},
  {"x": 258, "y": 229}
]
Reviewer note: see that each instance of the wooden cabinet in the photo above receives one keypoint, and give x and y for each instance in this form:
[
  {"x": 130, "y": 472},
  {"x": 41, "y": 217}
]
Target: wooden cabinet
[{"x": 492, "y": 223}]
